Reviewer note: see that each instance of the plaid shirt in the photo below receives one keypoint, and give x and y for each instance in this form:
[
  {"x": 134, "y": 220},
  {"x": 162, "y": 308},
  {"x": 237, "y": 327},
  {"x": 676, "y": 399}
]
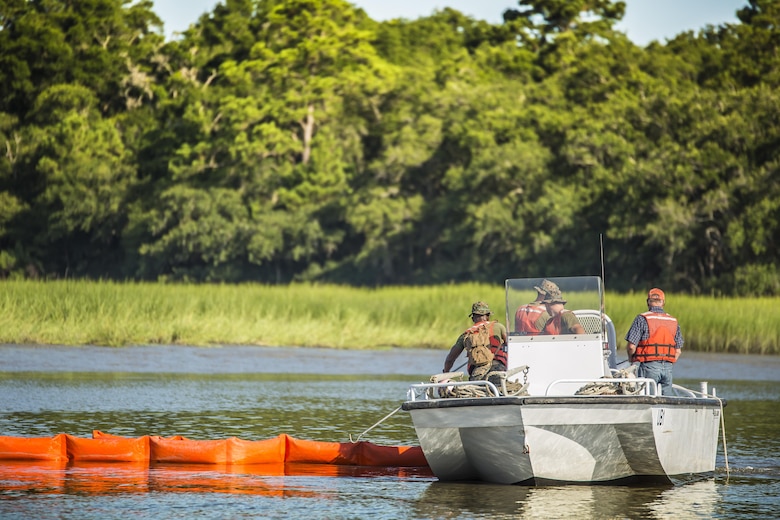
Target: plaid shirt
[{"x": 639, "y": 330}]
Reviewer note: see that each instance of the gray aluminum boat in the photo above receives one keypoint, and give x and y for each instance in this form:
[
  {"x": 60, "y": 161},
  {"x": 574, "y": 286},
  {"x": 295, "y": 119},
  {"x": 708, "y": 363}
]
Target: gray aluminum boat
[{"x": 558, "y": 429}]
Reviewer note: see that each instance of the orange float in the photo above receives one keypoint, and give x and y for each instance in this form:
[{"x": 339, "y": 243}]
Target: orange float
[
  {"x": 33, "y": 448},
  {"x": 269, "y": 451},
  {"x": 104, "y": 447},
  {"x": 107, "y": 449}
]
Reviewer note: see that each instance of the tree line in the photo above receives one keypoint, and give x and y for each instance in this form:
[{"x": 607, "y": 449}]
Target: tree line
[{"x": 300, "y": 140}]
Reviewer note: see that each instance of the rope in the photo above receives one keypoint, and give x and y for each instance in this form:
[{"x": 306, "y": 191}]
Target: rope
[
  {"x": 625, "y": 387},
  {"x": 504, "y": 386},
  {"x": 723, "y": 429},
  {"x": 456, "y": 369},
  {"x": 466, "y": 391},
  {"x": 374, "y": 426}
]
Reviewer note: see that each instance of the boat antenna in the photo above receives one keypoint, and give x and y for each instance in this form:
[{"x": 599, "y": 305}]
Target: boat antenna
[
  {"x": 601, "y": 247},
  {"x": 603, "y": 286},
  {"x": 603, "y": 272}
]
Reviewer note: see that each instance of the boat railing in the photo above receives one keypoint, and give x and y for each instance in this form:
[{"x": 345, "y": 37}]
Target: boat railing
[
  {"x": 421, "y": 390},
  {"x": 644, "y": 386},
  {"x": 650, "y": 388},
  {"x": 682, "y": 391}
]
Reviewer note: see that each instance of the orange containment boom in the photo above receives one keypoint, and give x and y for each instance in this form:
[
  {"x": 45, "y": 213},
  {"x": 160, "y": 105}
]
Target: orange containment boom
[{"x": 104, "y": 447}]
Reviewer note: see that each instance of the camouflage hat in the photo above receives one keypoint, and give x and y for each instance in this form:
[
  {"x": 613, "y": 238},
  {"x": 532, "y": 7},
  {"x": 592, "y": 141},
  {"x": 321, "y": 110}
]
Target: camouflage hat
[
  {"x": 546, "y": 287},
  {"x": 554, "y": 297},
  {"x": 480, "y": 309}
]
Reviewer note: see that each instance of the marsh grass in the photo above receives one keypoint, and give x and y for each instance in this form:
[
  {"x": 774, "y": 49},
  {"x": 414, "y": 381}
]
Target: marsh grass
[{"x": 115, "y": 314}]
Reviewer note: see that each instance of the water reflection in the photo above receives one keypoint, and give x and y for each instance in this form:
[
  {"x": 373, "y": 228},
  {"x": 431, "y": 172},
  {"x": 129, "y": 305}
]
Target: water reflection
[
  {"x": 459, "y": 500},
  {"x": 699, "y": 499},
  {"x": 305, "y": 481},
  {"x": 22, "y": 478}
]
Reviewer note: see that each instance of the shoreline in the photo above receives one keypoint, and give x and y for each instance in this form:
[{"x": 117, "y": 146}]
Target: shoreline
[{"x": 244, "y": 359}]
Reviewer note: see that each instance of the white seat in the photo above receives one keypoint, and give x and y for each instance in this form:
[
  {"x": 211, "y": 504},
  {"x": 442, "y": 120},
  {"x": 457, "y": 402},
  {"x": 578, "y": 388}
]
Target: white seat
[
  {"x": 591, "y": 322},
  {"x": 590, "y": 319}
]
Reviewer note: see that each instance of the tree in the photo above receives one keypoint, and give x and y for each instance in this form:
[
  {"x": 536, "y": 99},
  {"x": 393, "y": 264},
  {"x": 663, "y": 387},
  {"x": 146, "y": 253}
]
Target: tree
[
  {"x": 554, "y": 29},
  {"x": 98, "y": 44},
  {"x": 80, "y": 174}
]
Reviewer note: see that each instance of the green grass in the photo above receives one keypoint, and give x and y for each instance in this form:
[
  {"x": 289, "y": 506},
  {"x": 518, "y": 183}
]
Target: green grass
[{"x": 116, "y": 314}]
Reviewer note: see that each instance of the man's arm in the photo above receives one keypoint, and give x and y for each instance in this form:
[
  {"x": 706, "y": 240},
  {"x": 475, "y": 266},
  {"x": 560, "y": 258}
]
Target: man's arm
[
  {"x": 455, "y": 351},
  {"x": 678, "y": 343},
  {"x": 573, "y": 323},
  {"x": 635, "y": 334},
  {"x": 502, "y": 336},
  {"x": 631, "y": 350},
  {"x": 541, "y": 321}
]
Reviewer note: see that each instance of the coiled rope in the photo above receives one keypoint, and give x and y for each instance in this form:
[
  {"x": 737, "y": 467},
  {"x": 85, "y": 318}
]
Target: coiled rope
[
  {"x": 504, "y": 386},
  {"x": 611, "y": 387}
]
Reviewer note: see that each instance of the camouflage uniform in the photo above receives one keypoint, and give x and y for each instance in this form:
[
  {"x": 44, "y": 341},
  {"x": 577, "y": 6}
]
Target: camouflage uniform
[{"x": 499, "y": 338}]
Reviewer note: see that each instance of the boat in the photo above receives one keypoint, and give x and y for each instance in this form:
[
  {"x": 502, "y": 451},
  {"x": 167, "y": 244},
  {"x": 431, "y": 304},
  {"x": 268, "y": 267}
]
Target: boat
[{"x": 565, "y": 410}]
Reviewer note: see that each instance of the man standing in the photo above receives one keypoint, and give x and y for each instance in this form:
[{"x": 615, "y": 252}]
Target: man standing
[
  {"x": 495, "y": 337},
  {"x": 654, "y": 340}
]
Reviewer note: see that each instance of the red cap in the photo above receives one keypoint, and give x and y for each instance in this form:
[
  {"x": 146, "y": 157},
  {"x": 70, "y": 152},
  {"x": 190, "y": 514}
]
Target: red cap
[{"x": 656, "y": 294}]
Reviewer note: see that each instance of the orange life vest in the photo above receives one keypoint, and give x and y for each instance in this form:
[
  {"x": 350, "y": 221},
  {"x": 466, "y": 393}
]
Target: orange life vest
[
  {"x": 659, "y": 345},
  {"x": 526, "y": 316},
  {"x": 499, "y": 354},
  {"x": 553, "y": 325}
]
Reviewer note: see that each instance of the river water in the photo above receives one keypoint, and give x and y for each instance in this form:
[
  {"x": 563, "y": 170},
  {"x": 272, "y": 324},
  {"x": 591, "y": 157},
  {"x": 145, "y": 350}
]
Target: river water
[{"x": 257, "y": 393}]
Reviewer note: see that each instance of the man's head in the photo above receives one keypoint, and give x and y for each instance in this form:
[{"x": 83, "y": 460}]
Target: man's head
[
  {"x": 479, "y": 309},
  {"x": 554, "y": 302},
  {"x": 545, "y": 288},
  {"x": 656, "y": 298}
]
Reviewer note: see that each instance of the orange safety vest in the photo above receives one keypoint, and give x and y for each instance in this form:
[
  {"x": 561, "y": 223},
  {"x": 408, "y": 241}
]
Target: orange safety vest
[
  {"x": 553, "y": 325},
  {"x": 659, "y": 345},
  {"x": 526, "y": 316},
  {"x": 499, "y": 354}
]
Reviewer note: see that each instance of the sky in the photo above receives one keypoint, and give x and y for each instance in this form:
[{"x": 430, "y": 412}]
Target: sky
[{"x": 645, "y": 20}]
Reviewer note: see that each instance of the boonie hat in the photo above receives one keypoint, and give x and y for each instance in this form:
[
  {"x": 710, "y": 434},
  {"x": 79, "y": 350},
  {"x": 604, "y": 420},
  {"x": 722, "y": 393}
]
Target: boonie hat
[
  {"x": 554, "y": 297},
  {"x": 655, "y": 294},
  {"x": 546, "y": 287},
  {"x": 480, "y": 309}
]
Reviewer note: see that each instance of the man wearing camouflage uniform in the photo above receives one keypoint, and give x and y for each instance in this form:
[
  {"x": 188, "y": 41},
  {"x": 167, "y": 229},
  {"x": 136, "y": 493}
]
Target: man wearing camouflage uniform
[
  {"x": 531, "y": 318},
  {"x": 480, "y": 315}
]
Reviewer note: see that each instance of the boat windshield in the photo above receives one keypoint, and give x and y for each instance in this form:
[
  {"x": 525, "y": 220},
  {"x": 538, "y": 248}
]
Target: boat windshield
[{"x": 580, "y": 293}]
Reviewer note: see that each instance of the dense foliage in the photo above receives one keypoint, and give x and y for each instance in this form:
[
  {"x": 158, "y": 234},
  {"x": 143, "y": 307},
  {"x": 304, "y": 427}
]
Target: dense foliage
[{"x": 284, "y": 140}]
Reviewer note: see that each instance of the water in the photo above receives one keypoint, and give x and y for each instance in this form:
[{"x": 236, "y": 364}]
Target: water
[{"x": 257, "y": 393}]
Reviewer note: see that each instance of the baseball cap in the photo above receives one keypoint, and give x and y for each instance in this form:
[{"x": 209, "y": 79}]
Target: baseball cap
[{"x": 655, "y": 294}]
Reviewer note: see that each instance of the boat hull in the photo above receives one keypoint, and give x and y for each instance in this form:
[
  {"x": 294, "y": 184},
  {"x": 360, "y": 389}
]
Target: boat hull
[{"x": 587, "y": 439}]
